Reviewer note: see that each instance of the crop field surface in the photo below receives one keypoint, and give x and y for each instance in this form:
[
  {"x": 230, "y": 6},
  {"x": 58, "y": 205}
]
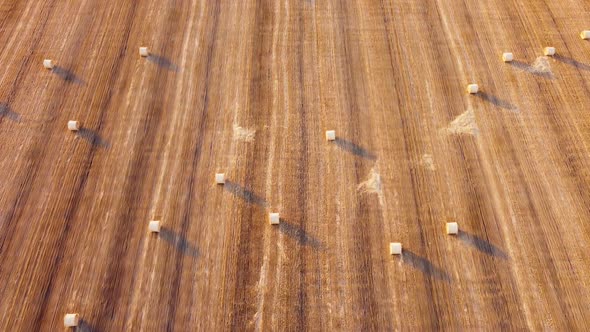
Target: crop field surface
[{"x": 249, "y": 88}]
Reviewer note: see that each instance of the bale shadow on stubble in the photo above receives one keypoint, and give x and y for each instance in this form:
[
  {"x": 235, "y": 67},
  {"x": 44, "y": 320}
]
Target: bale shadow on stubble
[
  {"x": 7, "y": 113},
  {"x": 93, "y": 138},
  {"x": 162, "y": 62},
  {"x": 572, "y": 62},
  {"x": 299, "y": 234},
  {"x": 247, "y": 195},
  {"x": 496, "y": 101},
  {"x": 424, "y": 265},
  {"x": 531, "y": 70},
  {"x": 179, "y": 242},
  {"x": 482, "y": 245},
  {"x": 84, "y": 326},
  {"x": 67, "y": 75},
  {"x": 353, "y": 148}
]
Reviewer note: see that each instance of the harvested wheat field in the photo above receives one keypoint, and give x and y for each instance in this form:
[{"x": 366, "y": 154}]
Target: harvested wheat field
[{"x": 248, "y": 89}]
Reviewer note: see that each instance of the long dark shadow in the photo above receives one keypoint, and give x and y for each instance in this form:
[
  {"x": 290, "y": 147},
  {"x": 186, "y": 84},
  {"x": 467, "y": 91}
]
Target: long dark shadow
[
  {"x": 354, "y": 148},
  {"x": 179, "y": 242},
  {"x": 530, "y": 69},
  {"x": 424, "y": 265},
  {"x": 84, "y": 326},
  {"x": 496, "y": 101},
  {"x": 299, "y": 234},
  {"x": 481, "y": 244},
  {"x": 93, "y": 138},
  {"x": 67, "y": 75},
  {"x": 162, "y": 62},
  {"x": 245, "y": 194},
  {"x": 7, "y": 113},
  {"x": 572, "y": 62}
]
